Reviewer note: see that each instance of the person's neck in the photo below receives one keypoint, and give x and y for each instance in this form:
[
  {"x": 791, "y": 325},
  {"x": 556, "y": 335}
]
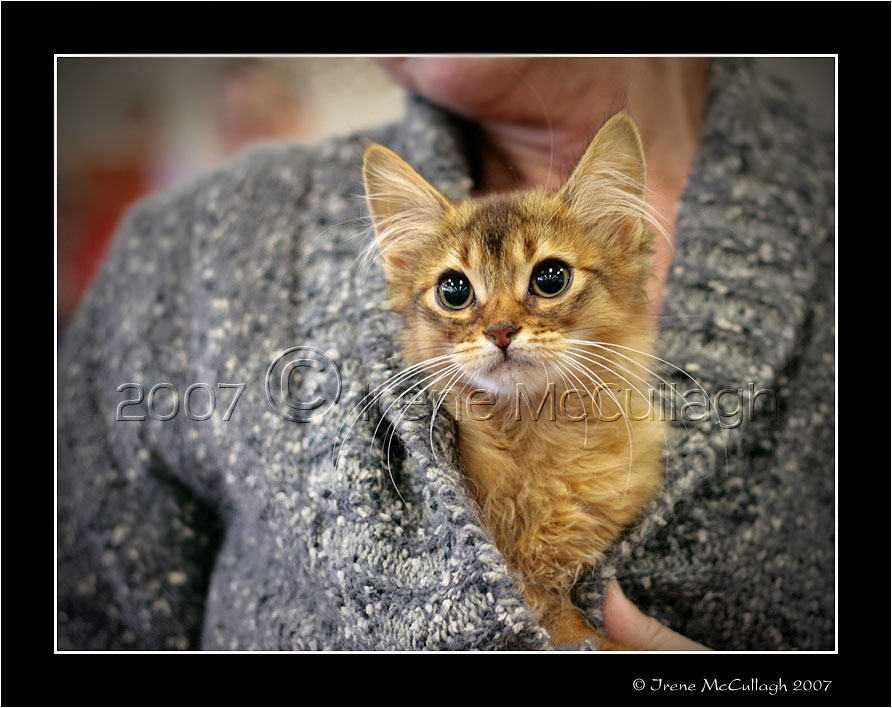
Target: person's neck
[{"x": 666, "y": 99}]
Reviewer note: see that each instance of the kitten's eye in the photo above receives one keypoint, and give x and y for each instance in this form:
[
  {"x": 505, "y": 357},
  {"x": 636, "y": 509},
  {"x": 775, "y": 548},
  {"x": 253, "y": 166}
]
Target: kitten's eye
[
  {"x": 455, "y": 291},
  {"x": 550, "y": 279}
]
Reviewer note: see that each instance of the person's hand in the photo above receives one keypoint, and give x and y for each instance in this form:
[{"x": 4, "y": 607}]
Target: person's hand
[{"x": 627, "y": 625}]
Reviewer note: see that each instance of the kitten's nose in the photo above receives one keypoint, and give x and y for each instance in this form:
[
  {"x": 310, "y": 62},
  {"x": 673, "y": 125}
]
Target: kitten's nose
[{"x": 501, "y": 335}]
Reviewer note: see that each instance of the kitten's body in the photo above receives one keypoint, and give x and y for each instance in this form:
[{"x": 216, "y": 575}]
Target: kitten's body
[{"x": 555, "y": 491}]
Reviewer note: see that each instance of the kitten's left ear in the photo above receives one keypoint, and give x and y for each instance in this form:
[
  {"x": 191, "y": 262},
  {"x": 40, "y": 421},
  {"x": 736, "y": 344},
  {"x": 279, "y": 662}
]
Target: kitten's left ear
[
  {"x": 405, "y": 208},
  {"x": 610, "y": 177}
]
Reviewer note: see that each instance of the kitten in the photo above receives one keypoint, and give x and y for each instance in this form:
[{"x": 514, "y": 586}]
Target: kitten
[{"x": 537, "y": 298}]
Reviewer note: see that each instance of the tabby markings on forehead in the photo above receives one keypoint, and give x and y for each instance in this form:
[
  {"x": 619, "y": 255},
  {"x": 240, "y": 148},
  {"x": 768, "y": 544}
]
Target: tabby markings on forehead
[{"x": 492, "y": 223}]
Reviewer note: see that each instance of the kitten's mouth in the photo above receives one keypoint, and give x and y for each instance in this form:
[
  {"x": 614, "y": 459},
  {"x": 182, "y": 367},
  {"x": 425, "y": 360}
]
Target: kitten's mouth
[
  {"x": 501, "y": 374},
  {"x": 508, "y": 360}
]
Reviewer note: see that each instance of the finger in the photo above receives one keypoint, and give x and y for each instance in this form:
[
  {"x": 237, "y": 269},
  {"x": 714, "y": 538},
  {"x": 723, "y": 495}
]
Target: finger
[{"x": 627, "y": 625}]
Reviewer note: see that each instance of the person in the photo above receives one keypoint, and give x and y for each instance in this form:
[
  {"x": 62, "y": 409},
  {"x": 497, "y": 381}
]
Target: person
[{"x": 239, "y": 529}]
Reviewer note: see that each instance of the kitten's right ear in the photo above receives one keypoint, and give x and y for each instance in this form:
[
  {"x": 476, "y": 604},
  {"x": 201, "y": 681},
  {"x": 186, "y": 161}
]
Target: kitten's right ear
[
  {"x": 615, "y": 154},
  {"x": 607, "y": 186},
  {"x": 405, "y": 209}
]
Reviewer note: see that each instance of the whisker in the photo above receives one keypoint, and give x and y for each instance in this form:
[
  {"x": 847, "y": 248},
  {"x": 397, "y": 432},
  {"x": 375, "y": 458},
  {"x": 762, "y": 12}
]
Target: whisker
[
  {"x": 373, "y": 395},
  {"x": 582, "y": 401},
  {"x": 437, "y": 408},
  {"x": 580, "y": 352},
  {"x": 591, "y": 375},
  {"x": 620, "y": 376},
  {"x": 396, "y": 423},
  {"x": 607, "y": 346},
  {"x": 397, "y": 399}
]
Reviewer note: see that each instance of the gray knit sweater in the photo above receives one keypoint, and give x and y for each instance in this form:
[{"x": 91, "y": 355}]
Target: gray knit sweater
[{"x": 240, "y": 533}]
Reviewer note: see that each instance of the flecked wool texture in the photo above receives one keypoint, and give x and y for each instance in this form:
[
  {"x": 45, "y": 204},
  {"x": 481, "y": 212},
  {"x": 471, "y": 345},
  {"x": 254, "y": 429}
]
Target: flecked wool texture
[{"x": 242, "y": 534}]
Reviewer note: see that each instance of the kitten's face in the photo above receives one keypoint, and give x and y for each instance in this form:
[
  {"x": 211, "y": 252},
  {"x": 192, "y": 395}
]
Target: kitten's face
[{"x": 502, "y": 284}]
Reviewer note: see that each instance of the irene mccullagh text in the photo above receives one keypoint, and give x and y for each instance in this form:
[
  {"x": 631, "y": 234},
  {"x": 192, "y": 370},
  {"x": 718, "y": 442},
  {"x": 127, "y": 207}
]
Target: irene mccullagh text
[
  {"x": 737, "y": 684},
  {"x": 663, "y": 403}
]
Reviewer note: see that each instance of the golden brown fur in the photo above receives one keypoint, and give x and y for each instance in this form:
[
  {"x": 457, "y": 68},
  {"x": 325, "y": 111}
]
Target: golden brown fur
[{"x": 554, "y": 493}]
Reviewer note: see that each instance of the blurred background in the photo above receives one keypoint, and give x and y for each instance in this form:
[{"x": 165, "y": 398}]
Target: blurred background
[{"x": 130, "y": 126}]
